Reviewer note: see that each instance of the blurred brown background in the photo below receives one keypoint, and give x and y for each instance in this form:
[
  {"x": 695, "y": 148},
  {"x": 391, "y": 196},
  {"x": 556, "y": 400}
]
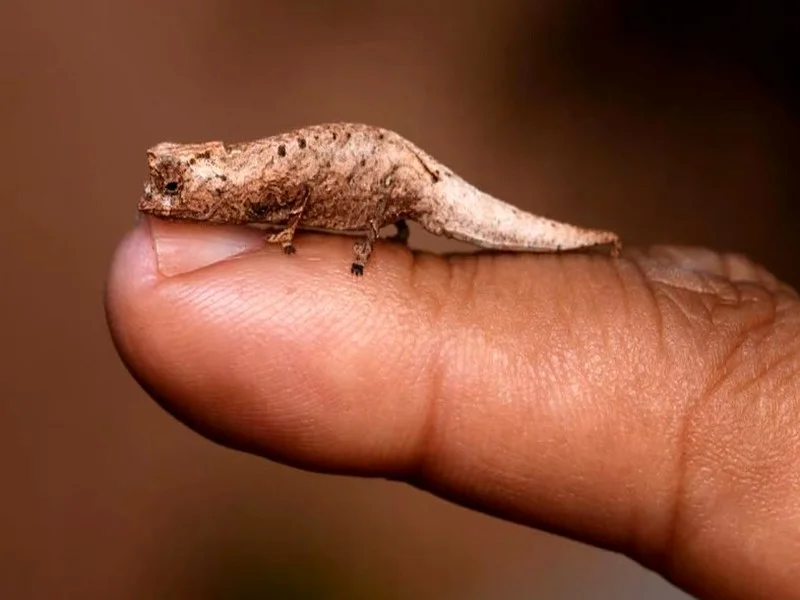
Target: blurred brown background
[{"x": 668, "y": 121}]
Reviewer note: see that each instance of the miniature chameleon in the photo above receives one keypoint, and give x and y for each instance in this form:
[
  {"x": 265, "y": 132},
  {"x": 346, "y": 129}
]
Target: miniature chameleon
[{"x": 346, "y": 178}]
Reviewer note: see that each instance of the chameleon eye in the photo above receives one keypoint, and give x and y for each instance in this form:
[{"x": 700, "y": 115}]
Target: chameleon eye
[{"x": 171, "y": 187}]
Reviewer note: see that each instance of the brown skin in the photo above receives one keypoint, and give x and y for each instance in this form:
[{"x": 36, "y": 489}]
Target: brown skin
[{"x": 649, "y": 405}]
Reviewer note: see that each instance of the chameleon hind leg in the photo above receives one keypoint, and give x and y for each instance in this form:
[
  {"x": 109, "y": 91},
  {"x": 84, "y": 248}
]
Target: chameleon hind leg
[{"x": 362, "y": 249}]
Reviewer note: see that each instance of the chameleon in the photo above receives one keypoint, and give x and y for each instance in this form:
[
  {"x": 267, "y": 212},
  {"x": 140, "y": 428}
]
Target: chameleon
[{"x": 344, "y": 178}]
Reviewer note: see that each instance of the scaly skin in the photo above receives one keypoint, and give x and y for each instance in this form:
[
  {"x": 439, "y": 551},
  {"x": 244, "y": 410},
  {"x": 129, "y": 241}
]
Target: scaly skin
[{"x": 342, "y": 177}]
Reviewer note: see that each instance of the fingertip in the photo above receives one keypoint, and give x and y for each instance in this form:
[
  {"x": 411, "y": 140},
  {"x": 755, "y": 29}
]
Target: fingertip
[
  {"x": 134, "y": 267},
  {"x": 134, "y": 257},
  {"x": 259, "y": 350}
]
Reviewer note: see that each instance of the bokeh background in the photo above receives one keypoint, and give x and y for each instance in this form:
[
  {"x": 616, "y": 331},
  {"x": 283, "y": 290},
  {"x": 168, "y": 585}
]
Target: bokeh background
[{"x": 668, "y": 121}]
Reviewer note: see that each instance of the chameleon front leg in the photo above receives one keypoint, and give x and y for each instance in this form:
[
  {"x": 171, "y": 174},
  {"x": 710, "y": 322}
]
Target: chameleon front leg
[{"x": 285, "y": 236}]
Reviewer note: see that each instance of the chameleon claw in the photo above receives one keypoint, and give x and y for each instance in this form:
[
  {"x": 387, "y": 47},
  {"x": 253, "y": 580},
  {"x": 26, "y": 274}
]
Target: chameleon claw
[
  {"x": 289, "y": 249},
  {"x": 357, "y": 269}
]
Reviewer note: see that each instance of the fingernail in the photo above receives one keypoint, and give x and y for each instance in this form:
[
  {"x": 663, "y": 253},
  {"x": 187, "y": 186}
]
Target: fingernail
[{"x": 185, "y": 247}]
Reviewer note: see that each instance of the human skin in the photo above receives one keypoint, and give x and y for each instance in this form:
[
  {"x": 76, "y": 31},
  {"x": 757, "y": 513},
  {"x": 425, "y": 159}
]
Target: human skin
[{"x": 649, "y": 404}]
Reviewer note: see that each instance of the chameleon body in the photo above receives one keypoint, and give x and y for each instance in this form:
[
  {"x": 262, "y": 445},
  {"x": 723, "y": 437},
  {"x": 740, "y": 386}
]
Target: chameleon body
[{"x": 342, "y": 177}]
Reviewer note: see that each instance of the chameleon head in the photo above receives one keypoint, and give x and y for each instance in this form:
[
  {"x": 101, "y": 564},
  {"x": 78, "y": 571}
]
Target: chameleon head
[{"x": 187, "y": 181}]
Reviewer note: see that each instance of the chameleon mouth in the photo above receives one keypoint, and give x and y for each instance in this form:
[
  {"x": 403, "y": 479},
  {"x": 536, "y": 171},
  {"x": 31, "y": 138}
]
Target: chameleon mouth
[{"x": 154, "y": 204}]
